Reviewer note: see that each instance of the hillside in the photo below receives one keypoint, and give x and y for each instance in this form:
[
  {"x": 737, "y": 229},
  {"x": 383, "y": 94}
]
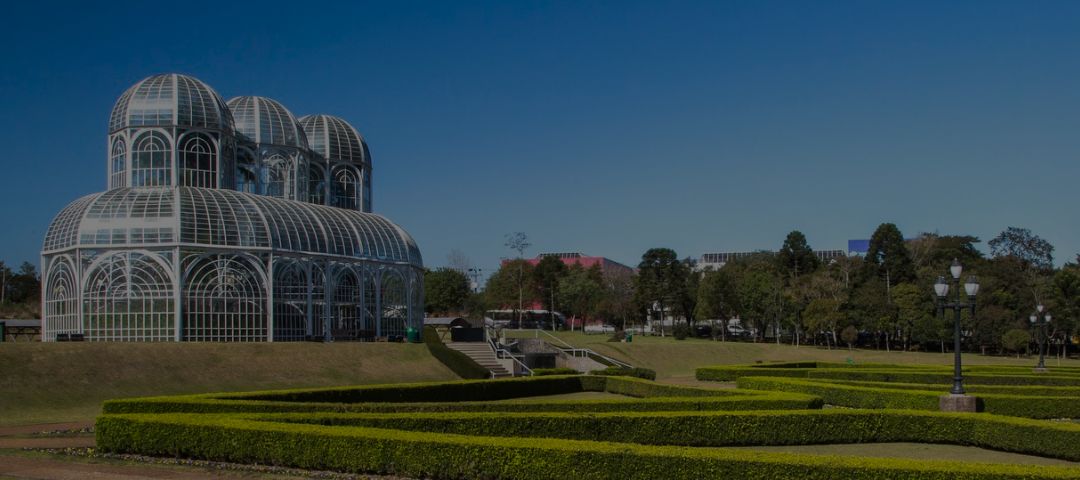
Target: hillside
[{"x": 54, "y": 382}]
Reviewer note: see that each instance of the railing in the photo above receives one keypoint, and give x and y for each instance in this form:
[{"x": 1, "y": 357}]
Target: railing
[
  {"x": 587, "y": 353},
  {"x": 504, "y": 353},
  {"x": 575, "y": 352}
]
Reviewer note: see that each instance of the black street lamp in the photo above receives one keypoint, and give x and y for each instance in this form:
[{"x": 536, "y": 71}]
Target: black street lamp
[
  {"x": 941, "y": 288},
  {"x": 1040, "y": 321}
]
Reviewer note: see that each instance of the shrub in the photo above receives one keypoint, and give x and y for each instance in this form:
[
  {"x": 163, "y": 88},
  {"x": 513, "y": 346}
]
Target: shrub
[
  {"x": 543, "y": 372},
  {"x": 918, "y": 397},
  {"x": 626, "y": 372},
  {"x": 1016, "y": 340},
  {"x": 680, "y": 331},
  {"x": 423, "y": 454},
  {"x": 465, "y": 396},
  {"x": 456, "y": 361}
]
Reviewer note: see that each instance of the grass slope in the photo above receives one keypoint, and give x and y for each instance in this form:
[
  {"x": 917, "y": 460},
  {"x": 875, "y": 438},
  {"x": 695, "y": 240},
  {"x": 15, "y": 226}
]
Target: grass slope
[
  {"x": 676, "y": 359},
  {"x": 56, "y": 382}
]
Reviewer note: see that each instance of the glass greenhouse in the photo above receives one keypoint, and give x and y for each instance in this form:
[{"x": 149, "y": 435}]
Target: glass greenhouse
[{"x": 228, "y": 222}]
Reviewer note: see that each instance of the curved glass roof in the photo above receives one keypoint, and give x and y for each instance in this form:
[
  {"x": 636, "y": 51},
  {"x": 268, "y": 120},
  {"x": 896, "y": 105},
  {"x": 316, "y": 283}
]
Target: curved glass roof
[
  {"x": 170, "y": 100},
  {"x": 266, "y": 121},
  {"x": 335, "y": 140},
  {"x": 149, "y": 217}
]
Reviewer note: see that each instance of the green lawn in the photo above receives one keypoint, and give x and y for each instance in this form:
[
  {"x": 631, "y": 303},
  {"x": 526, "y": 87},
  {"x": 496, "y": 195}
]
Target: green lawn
[
  {"x": 60, "y": 382},
  {"x": 676, "y": 359}
]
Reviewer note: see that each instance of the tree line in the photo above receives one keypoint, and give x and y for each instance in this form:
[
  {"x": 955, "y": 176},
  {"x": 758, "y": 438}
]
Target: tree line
[
  {"x": 20, "y": 291},
  {"x": 883, "y": 299}
]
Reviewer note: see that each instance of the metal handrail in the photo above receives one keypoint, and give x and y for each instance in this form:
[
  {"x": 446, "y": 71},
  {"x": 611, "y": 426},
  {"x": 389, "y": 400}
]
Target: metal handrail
[
  {"x": 499, "y": 352},
  {"x": 556, "y": 338},
  {"x": 585, "y": 352}
]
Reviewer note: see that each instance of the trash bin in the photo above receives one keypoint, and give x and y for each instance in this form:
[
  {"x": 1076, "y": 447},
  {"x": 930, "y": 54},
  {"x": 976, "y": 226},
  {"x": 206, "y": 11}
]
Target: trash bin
[
  {"x": 413, "y": 335},
  {"x": 2, "y": 332},
  {"x": 629, "y": 337}
]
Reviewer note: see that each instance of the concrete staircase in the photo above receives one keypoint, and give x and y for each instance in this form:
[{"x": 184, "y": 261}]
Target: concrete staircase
[{"x": 481, "y": 353}]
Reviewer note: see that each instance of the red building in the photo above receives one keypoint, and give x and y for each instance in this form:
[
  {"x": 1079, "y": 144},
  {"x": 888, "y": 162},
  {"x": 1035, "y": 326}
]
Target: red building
[{"x": 607, "y": 265}]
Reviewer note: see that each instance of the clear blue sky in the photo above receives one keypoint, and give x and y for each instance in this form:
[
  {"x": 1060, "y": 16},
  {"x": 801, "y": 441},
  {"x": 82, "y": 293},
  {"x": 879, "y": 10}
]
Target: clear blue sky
[{"x": 601, "y": 127}]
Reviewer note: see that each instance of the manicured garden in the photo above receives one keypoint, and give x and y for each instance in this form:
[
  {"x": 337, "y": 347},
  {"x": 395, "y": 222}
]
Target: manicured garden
[{"x": 485, "y": 429}]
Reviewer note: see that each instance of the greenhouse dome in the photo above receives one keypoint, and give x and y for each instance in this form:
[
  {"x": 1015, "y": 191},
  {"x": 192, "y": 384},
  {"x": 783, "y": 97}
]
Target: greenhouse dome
[
  {"x": 344, "y": 154},
  {"x": 171, "y": 261}
]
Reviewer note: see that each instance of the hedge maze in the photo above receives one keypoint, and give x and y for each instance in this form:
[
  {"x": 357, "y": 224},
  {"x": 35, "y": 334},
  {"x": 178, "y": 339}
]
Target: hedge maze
[{"x": 481, "y": 429}]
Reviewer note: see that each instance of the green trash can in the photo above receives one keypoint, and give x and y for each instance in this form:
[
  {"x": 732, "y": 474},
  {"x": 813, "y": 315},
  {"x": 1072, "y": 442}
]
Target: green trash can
[
  {"x": 629, "y": 337},
  {"x": 412, "y": 335}
]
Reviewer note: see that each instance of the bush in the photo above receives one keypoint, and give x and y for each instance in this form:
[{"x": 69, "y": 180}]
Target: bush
[
  {"x": 543, "y": 372},
  {"x": 680, "y": 331},
  {"x": 918, "y": 397},
  {"x": 1016, "y": 340},
  {"x": 456, "y": 361},
  {"x": 889, "y": 373},
  {"x": 466, "y": 396},
  {"x": 645, "y": 373},
  {"x": 423, "y": 454}
]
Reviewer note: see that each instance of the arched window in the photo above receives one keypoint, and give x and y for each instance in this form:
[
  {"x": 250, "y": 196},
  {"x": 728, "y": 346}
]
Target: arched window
[
  {"x": 290, "y": 301},
  {"x": 394, "y": 303},
  {"x": 129, "y": 296},
  {"x": 346, "y": 189},
  {"x": 61, "y": 299},
  {"x": 316, "y": 185},
  {"x": 346, "y": 320},
  {"x": 367, "y": 191},
  {"x": 197, "y": 161},
  {"x": 118, "y": 164},
  {"x": 247, "y": 180},
  {"x": 150, "y": 163},
  {"x": 277, "y": 177},
  {"x": 224, "y": 300}
]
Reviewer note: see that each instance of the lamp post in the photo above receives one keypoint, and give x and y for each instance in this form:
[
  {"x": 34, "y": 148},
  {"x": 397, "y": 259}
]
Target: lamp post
[
  {"x": 941, "y": 288},
  {"x": 1039, "y": 321}
]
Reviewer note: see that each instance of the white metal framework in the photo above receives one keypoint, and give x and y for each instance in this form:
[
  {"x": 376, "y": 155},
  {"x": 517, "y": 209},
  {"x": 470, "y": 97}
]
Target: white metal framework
[{"x": 209, "y": 232}]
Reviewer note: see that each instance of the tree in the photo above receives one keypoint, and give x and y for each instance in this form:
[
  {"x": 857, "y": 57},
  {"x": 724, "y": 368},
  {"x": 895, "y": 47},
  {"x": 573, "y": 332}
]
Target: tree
[
  {"x": 504, "y": 287},
  {"x": 850, "y": 335},
  {"x": 446, "y": 291},
  {"x": 618, "y": 299},
  {"x": 581, "y": 291},
  {"x": 457, "y": 260},
  {"x": 545, "y": 280},
  {"x": 519, "y": 242},
  {"x": 823, "y": 315},
  {"x": 717, "y": 299},
  {"x": 688, "y": 293},
  {"x": 938, "y": 251},
  {"x": 24, "y": 286},
  {"x": 1016, "y": 340},
  {"x": 914, "y": 309},
  {"x": 1020, "y": 243},
  {"x": 887, "y": 256},
  {"x": 756, "y": 291},
  {"x": 795, "y": 256},
  {"x": 661, "y": 276}
]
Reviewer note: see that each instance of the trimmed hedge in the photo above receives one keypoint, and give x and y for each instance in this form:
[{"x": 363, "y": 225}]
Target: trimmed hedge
[
  {"x": 466, "y": 396},
  {"x": 919, "y": 397},
  {"x": 438, "y": 455},
  {"x": 456, "y": 361},
  {"x": 718, "y": 429},
  {"x": 638, "y": 372},
  {"x": 882, "y": 373},
  {"x": 1022, "y": 390},
  {"x": 543, "y": 372}
]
